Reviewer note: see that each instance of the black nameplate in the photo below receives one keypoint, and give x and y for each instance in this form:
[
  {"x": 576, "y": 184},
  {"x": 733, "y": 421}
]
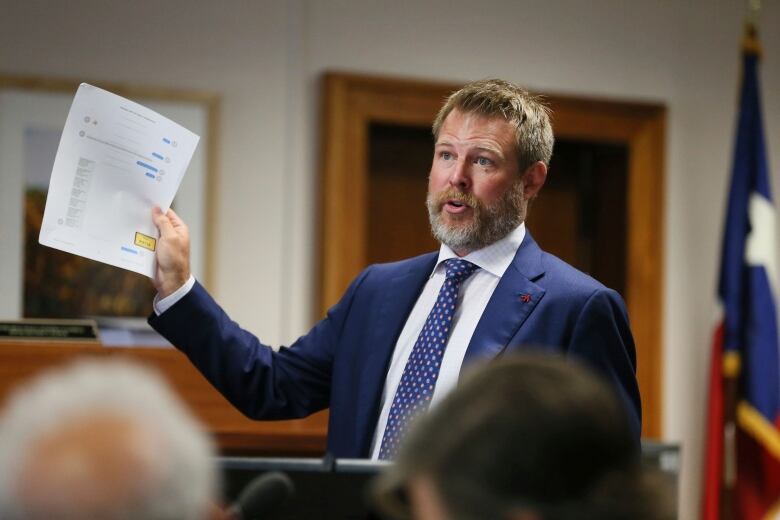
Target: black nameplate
[{"x": 66, "y": 330}]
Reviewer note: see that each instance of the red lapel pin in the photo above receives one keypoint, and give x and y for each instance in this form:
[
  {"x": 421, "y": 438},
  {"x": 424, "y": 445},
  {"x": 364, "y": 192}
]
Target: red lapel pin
[{"x": 525, "y": 298}]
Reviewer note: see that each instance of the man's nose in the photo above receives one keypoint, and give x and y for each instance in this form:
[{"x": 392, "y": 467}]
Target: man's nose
[{"x": 460, "y": 177}]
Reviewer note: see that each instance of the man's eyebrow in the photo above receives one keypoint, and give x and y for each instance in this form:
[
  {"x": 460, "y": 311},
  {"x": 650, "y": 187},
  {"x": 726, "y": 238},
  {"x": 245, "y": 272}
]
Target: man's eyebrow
[{"x": 491, "y": 149}]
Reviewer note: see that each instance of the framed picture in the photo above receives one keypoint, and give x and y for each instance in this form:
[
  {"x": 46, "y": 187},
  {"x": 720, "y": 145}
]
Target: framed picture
[{"x": 40, "y": 282}]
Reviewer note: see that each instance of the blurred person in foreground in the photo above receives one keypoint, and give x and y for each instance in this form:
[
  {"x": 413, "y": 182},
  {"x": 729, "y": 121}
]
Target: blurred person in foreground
[
  {"x": 528, "y": 437},
  {"x": 103, "y": 441}
]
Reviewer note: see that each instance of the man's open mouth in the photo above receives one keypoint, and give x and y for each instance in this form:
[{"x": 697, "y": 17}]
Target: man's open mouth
[{"x": 455, "y": 206}]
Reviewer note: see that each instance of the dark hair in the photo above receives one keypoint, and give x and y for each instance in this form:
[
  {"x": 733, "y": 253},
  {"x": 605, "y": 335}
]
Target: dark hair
[{"x": 536, "y": 433}]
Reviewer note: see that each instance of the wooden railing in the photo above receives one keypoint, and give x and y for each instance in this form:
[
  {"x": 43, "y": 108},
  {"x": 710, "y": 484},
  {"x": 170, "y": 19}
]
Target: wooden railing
[{"x": 234, "y": 433}]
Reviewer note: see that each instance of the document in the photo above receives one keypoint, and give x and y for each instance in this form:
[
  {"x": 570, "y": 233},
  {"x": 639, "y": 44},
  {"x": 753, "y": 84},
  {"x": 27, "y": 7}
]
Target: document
[{"x": 116, "y": 160}]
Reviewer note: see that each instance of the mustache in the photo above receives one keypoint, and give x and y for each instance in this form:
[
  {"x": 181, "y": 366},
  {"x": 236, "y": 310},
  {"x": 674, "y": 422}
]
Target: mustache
[{"x": 464, "y": 198}]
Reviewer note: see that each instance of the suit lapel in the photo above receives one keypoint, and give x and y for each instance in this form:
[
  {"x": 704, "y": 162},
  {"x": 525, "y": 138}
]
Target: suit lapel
[
  {"x": 399, "y": 296},
  {"x": 513, "y": 300}
]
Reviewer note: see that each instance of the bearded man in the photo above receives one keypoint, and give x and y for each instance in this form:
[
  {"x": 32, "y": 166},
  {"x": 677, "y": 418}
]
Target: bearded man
[{"x": 397, "y": 340}]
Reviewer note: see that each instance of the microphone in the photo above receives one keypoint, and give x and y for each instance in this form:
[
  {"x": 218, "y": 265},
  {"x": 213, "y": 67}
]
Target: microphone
[{"x": 262, "y": 496}]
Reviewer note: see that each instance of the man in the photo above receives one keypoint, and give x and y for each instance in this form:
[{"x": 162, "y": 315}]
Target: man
[
  {"x": 104, "y": 441},
  {"x": 529, "y": 437},
  {"x": 396, "y": 341}
]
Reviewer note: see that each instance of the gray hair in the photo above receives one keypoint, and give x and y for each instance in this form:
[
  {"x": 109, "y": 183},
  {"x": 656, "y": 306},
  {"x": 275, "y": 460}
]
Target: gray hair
[
  {"x": 498, "y": 98},
  {"x": 177, "y": 478}
]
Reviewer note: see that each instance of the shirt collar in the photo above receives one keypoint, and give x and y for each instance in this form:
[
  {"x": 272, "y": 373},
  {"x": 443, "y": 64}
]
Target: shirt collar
[{"x": 494, "y": 258}]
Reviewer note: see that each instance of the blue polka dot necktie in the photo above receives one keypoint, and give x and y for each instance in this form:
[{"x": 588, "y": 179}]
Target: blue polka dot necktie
[{"x": 415, "y": 389}]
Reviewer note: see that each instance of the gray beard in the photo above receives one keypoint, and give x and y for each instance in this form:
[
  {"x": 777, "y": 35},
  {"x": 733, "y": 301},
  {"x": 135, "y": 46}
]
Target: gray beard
[{"x": 488, "y": 225}]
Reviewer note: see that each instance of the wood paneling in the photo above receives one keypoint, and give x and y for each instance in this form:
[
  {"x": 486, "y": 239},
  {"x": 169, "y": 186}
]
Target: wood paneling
[{"x": 234, "y": 433}]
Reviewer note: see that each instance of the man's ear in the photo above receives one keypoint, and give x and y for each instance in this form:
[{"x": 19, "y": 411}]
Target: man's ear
[{"x": 533, "y": 179}]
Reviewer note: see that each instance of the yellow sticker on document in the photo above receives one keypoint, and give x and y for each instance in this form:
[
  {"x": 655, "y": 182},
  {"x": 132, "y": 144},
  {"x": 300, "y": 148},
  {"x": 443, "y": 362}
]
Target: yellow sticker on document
[{"x": 145, "y": 241}]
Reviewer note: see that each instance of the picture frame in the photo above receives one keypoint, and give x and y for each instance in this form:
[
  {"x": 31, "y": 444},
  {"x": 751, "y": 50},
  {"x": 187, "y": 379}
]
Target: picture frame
[{"x": 32, "y": 114}]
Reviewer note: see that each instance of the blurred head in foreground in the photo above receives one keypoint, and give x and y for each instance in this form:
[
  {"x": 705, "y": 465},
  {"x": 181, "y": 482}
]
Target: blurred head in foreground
[
  {"x": 531, "y": 438},
  {"x": 103, "y": 441}
]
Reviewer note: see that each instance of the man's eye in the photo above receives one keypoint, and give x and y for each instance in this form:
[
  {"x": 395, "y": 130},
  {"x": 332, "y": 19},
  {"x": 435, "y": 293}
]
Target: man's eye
[
  {"x": 446, "y": 156},
  {"x": 484, "y": 161}
]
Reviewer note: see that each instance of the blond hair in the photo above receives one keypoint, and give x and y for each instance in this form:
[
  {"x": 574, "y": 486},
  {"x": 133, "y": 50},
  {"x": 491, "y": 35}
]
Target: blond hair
[{"x": 498, "y": 98}]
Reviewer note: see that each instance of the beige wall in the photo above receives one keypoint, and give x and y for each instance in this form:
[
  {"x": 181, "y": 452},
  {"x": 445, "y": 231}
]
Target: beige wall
[{"x": 264, "y": 58}]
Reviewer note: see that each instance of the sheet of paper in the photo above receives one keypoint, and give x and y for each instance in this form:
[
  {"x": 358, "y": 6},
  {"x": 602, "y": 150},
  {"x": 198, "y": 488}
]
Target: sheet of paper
[{"x": 116, "y": 160}]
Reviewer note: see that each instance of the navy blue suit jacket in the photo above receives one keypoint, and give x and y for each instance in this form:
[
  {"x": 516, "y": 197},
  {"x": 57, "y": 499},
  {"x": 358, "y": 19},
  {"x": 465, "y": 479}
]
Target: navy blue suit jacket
[{"x": 342, "y": 362}]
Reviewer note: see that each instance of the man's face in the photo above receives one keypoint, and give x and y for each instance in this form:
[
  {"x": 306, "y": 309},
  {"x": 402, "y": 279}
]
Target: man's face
[{"x": 475, "y": 191}]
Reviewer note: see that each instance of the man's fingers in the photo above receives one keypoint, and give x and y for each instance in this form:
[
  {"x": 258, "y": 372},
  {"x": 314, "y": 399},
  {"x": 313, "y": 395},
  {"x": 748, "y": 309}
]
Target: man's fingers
[
  {"x": 176, "y": 221},
  {"x": 162, "y": 222}
]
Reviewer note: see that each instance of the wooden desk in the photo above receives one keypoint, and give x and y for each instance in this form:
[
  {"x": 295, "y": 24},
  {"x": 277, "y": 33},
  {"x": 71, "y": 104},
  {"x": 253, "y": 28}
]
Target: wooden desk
[{"x": 234, "y": 433}]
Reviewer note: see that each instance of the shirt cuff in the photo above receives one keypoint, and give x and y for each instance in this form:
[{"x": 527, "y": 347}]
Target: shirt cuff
[{"x": 162, "y": 305}]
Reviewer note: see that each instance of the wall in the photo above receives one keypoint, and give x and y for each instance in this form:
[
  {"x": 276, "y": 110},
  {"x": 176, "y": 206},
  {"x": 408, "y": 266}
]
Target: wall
[{"x": 265, "y": 59}]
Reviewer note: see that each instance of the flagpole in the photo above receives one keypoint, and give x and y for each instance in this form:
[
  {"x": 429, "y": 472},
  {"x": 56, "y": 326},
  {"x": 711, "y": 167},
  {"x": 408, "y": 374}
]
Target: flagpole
[
  {"x": 750, "y": 43},
  {"x": 731, "y": 361},
  {"x": 754, "y": 7},
  {"x": 731, "y": 370},
  {"x": 742, "y": 466}
]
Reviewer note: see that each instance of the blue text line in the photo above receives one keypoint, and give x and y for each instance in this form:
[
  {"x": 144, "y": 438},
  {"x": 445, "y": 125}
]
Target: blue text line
[{"x": 147, "y": 166}]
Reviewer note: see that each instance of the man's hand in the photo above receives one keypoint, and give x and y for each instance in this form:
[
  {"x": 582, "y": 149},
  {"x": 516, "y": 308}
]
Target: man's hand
[{"x": 173, "y": 252}]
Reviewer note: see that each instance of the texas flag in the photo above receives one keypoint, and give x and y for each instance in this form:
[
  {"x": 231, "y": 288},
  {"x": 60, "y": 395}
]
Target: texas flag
[{"x": 742, "y": 479}]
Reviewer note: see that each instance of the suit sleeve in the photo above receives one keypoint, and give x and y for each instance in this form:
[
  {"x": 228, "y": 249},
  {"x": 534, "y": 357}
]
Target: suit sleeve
[
  {"x": 263, "y": 384},
  {"x": 602, "y": 339}
]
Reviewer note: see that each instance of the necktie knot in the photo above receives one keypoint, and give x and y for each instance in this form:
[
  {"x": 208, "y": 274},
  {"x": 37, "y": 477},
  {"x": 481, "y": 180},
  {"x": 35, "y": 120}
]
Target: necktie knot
[{"x": 459, "y": 269}]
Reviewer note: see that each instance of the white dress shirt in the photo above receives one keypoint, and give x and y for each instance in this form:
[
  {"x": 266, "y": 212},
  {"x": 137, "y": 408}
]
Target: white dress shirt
[
  {"x": 474, "y": 294},
  {"x": 161, "y": 305}
]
